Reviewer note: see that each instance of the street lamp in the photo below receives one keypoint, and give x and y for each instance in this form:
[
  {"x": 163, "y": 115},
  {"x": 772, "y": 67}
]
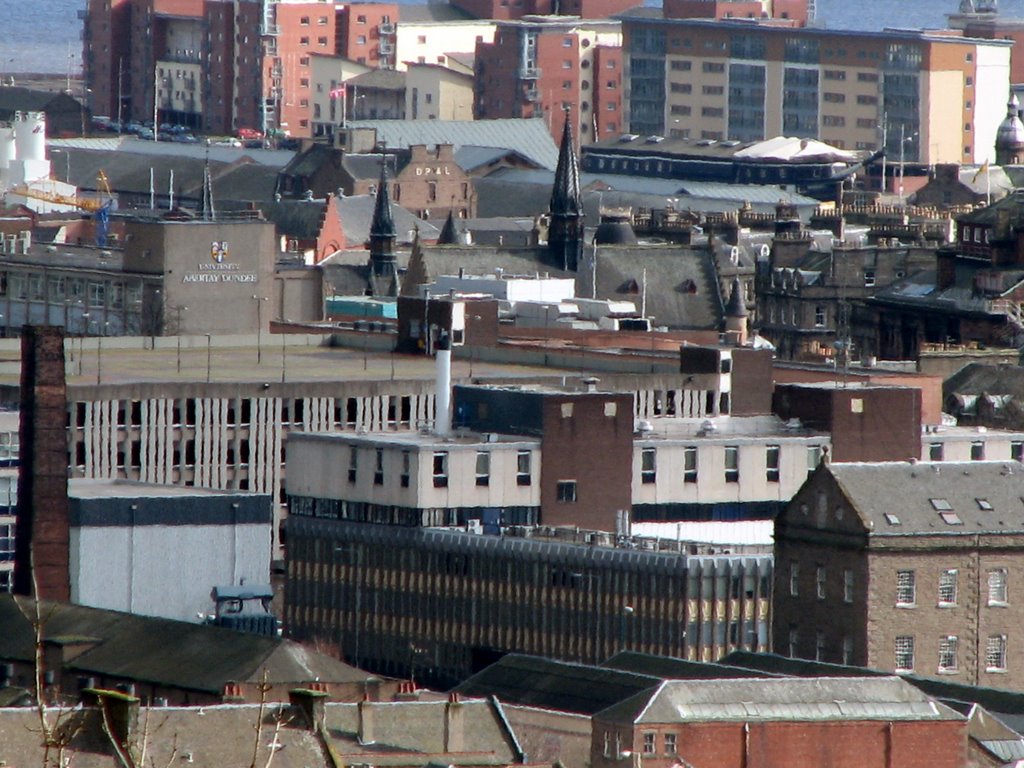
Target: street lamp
[
  {"x": 209, "y": 355},
  {"x": 259, "y": 326},
  {"x": 177, "y": 333},
  {"x": 903, "y": 146}
]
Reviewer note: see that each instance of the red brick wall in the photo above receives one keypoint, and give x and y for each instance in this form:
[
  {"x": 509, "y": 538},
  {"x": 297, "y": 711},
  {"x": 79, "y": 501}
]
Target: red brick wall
[
  {"x": 595, "y": 450},
  {"x": 364, "y": 20},
  {"x": 43, "y": 528},
  {"x": 848, "y": 744},
  {"x": 606, "y": 85},
  {"x": 296, "y": 42}
]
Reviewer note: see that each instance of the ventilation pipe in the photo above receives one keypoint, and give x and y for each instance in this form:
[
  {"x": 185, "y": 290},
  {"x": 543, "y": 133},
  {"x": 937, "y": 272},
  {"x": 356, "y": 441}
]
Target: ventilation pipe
[{"x": 443, "y": 393}]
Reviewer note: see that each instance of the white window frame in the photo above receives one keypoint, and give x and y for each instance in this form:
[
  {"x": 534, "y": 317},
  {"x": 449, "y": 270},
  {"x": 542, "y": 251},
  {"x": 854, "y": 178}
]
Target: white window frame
[
  {"x": 997, "y": 587},
  {"x": 903, "y": 659},
  {"x": 906, "y": 588},
  {"x": 949, "y": 661}
]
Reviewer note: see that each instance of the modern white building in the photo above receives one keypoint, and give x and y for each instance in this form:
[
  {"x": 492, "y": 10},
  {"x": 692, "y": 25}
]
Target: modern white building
[
  {"x": 160, "y": 550},
  {"x": 430, "y": 42}
]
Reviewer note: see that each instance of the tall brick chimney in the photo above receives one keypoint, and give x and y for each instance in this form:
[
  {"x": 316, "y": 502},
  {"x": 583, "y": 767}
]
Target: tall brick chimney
[{"x": 43, "y": 529}]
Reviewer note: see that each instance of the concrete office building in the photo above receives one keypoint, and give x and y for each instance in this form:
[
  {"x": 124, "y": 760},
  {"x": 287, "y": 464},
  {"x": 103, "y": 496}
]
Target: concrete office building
[
  {"x": 448, "y": 603},
  {"x": 743, "y": 81}
]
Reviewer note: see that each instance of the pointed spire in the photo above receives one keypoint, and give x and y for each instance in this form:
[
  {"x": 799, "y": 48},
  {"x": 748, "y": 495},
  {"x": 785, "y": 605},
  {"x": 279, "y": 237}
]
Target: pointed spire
[
  {"x": 736, "y": 306},
  {"x": 382, "y": 224},
  {"x": 565, "y": 196},
  {"x": 382, "y": 228},
  {"x": 416, "y": 273},
  {"x": 449, "y": 232},
  {"x": 565, "y": 232}
]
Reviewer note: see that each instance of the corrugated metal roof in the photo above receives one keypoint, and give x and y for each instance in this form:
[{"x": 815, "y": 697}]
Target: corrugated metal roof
[
  {"x": 529, "y": 138},
  {"x": 746, "y": 532},
  {"x": 273, "y": 157}
]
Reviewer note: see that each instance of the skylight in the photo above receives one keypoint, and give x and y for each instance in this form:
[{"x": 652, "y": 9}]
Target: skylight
[
  {"x": 984, "y": 504},
  {"x": 951, "y": 518},
  {"x": 891, "y": 519},
  {"x": 941, "y": 505}
]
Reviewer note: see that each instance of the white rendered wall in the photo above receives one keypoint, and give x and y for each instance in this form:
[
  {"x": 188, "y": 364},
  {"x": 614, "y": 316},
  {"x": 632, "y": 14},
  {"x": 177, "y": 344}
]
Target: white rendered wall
[
  {"x": 991, "y": 91},
  {"x": 165, "y": 571}
]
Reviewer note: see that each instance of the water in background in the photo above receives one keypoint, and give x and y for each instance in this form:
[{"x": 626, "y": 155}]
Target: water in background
[{"x": 38, "y": 33}]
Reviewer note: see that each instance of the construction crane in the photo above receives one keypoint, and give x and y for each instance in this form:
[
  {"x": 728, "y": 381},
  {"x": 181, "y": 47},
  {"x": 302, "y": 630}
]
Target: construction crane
[{"x": 99, "y": 207}]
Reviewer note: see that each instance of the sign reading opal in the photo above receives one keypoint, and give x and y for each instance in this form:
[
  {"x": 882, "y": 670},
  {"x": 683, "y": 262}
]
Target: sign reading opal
[{"x": 219, "y": 269}]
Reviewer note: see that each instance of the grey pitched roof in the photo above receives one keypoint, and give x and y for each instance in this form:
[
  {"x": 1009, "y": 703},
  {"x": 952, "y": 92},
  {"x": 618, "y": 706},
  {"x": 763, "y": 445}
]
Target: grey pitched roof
[
  {"x": 276, "y": 158},
  {"x": 356, "y": 212},
  {"x": 381, "y": 79},
  {"x": 942, "y": 498},
  {"x": 470, "y": 158},
  {"x": 529, "y": 138},
  {"x": 978, "y": 378},
  {"x": 161, "y": 651},
  {"x": 16, "y": 98},
  {"x": 670, "y": 668},
  {"x": 787, "y": 699},
  {"x": 536, "y": 682},
  {"x": 682, "y": 289},
  {"x": 295, "y": 218}
]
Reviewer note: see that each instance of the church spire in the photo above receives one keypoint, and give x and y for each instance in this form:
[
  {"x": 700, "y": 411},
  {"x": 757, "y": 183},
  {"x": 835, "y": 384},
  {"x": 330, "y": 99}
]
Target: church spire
[
  {"x": 382, "y": 227},
  {"x": 565, "y": 233}
]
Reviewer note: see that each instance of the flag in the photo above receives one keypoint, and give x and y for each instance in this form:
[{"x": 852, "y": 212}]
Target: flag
[
  {"x": 983, "y": 169},
  {"x": 337, "y": 93}
]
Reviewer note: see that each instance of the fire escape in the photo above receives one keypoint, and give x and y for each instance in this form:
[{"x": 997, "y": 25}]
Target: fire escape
[{"x": 270, "y": 101}]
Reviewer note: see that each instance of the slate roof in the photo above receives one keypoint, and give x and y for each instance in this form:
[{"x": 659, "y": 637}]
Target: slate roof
[
  {"x": 406, "y": 734},
  {"x": 920, "y": 290},
  {"x": 528, "y": 137},
  {"x": 537, "y": 682},
  {"x": 295, "y": 218},
  {"x": 1013, "y": 203},
  {"x": 1008, "y": 705},
  {"x": 356, "y": 212},
  {"x": 682, "y": 289},
  {"x": 670, "y": 668},
  {"x": 774, "y": 699},
  {"x": 942, "y": 498},
  {"x": 978, "y": 378},
  {"x": 16, "y": 98},
  {"x": 380, "y": 79},
  {"x": 470, "y": 158},
  {"x": 176, "y": 654}
]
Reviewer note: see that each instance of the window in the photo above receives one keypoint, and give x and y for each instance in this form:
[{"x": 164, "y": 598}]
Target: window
[
  {"x": 819, "y": 646},
  {"x": 771, "y": 457},
  {"x": 819, "y": 316},
  {"x": 813, "y": 458},
  {"x": 835, "y": 98},
  {"x": 1017, "y": 451},
  {"x": 441, "y": 469},
  {"x": 712, "y": 66},
  {"x": 948, "y": 654},
  {"x": 995, "y": 654},
  {"x": 670, "y": 744},
  {"x": 847, "y": 585},
  {"x": 997, "y": 587},
  {"x": 820, "y": 580},
  {"x": 935, "y": 452},
  {"x": 794, "y": 642},
  {"x": 305, "y": 41},
  {"x": 483, "y": 468},
  {"x": 869, "y": 278},
  {"x": 681, "y": 66},
  {"x": 904, "y": 653},
  {"x": 690, "y": 464},
  {"x": 523, "y": 468},
  {"x": 947, "y": 587},
  {"x": 732, "y": 464},
  {"x": 353, "y": 463},
  {"x": 567, "y": 490},
  {"x": 794, "y": 579},
  {"x": 906, "y": 588},
  {"x": 650, "y": 742},
  {"x": 304, "y": 21},
  {"x": 648, "y": 465},
  {"x": 977, "y": 451},
  {"x": 847, "y": 650},
  {"x": 406, "y": 465},
  {"x": 321, "y": 41},
  {"x": 378, "y": 468}
]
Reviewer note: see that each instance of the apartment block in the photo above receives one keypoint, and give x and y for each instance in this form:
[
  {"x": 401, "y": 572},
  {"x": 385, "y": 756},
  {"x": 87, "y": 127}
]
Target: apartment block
[
  {"x": 928, "y": 98},
  {"x": 427, "y": 35},
  {"x": 366, "y": 33},
  {"x": 439, "y": 91},
  {"x": 909, "y": 567},
  {"x": 539, "y": 67}
]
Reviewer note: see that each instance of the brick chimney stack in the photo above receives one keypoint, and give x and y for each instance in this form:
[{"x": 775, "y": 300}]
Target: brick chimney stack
[{"x": 42, "y": 537}]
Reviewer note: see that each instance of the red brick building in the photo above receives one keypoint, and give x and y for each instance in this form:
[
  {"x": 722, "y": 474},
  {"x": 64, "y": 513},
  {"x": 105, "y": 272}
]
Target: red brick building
[
  {"x": 539, "y": 67},
  {"x": 795, "y": 11},
  {"x": 506, "y": 10},
  {"x": 366, "y": 33},
  {"x": 794, "y": 722}
]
